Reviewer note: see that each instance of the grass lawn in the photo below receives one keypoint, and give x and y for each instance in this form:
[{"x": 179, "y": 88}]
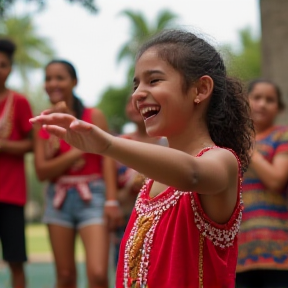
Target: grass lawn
[{"x": 38, "y": 242}]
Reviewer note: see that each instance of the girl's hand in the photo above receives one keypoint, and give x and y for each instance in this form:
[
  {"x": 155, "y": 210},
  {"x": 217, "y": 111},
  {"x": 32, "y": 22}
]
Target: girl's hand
[
  {"x": 114, "y": 216},
  {"x": 80, "y": 134}
]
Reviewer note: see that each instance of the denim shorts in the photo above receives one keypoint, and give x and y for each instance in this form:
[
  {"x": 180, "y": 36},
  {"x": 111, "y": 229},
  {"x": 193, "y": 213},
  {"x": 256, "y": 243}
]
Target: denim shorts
[{"x": 74, "y": 212}]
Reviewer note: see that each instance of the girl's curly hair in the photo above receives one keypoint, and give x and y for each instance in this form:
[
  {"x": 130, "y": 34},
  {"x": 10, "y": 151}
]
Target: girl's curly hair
[{"x": 228, "y": 114}]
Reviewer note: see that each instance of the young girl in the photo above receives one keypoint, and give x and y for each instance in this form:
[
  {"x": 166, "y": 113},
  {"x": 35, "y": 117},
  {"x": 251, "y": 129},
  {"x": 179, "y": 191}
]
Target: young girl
[
  {"x": 183, "y": 230},
  {"x": 263, "y": 241},
  {"x": 15, "y": 141},
  {"x": 75, "y": 198}
]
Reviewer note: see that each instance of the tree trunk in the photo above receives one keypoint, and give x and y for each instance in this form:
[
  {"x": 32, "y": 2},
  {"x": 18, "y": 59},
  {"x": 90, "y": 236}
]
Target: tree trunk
[{"x": 274, "y": 24}]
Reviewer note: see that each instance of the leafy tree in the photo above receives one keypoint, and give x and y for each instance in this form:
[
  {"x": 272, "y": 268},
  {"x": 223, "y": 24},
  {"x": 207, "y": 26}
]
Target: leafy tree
[
  {"x": 246, "y": 62},
  {"x": 33, "y": 51},
  {"x": 6, "y": 4},
  {"x": 141, "y": 30},
  {"x": 114, "y": 99}
]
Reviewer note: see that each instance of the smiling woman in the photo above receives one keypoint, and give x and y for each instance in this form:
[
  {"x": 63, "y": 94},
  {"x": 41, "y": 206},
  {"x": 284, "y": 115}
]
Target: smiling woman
[{"x": 78, "y": 184}]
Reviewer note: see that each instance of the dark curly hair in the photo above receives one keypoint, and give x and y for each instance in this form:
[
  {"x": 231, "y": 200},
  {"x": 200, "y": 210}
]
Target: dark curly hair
[
  {"x": 78, "y": 106},
  {"x": 228, "y": 114},
  {"x": 7, "y": 47}
]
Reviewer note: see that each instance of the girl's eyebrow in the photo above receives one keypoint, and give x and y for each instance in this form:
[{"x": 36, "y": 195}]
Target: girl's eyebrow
[{"x": 149, "y": 73}]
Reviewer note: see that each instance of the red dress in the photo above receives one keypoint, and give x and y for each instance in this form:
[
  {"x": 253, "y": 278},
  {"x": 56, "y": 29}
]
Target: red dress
[{"x": 170, "y": 242}]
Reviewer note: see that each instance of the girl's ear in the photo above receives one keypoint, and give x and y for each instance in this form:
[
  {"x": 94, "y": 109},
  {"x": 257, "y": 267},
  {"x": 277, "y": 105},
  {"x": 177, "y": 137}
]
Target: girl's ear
[{"x": 204, "y": 88}]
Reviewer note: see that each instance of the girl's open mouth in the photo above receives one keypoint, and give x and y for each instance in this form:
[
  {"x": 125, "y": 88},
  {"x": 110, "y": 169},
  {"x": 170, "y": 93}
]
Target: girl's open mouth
[{"x": 149, "y": 112}]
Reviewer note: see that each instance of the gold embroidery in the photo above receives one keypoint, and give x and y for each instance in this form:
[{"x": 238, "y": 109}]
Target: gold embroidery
[
  {"x": 201, "y": 246},
  {"x": 135, "y": 253}
]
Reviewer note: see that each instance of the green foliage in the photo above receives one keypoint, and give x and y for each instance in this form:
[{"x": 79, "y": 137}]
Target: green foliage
[
  {"x": 141, "y": 30},
  {"x": 33, "y": 51},
  {"x": 6, "y": 4},
  {"x": 113, "y": 104},
  {"x": 245, "y": 63}
]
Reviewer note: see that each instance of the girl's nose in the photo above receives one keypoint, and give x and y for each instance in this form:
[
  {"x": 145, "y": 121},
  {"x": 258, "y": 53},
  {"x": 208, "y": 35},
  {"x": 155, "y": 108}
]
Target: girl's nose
[{"x": 138, "y": 97}]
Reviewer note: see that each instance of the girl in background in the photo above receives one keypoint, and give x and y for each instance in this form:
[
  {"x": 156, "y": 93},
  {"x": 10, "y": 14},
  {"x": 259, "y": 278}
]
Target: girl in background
[
  {"x": 263, "y": 241},
  {"x": 81, "y": 195},
  {"x": 15, "y": 142},
  {"x": 183, "y": 230}
]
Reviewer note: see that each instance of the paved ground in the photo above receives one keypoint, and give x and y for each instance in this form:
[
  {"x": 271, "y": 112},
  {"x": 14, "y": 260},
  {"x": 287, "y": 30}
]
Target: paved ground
[{"x": 41, "y": 274}]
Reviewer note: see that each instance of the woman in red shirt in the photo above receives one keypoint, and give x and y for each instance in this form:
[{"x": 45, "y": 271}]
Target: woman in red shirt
[
  {"x": 81, "y": 195},
  {"x": 15, "y": 141}
]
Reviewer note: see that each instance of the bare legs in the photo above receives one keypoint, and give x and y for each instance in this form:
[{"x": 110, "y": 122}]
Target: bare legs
[
  {"x": 96, "y": 244},
  {"x": 63, "y": 243},
  {"x": 17, "y": 274}
]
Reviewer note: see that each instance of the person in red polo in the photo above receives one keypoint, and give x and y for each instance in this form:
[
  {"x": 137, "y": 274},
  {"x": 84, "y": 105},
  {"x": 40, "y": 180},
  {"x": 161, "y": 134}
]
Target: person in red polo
[{"x": 15, "y": 141}]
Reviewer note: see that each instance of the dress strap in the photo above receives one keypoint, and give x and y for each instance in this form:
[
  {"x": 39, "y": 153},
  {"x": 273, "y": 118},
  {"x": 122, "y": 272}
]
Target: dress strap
[{"x": 204, "y": 150}]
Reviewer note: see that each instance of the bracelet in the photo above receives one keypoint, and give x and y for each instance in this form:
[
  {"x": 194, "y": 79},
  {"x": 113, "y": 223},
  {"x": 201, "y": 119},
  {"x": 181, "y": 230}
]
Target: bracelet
[{"x": 111, "y": 203}]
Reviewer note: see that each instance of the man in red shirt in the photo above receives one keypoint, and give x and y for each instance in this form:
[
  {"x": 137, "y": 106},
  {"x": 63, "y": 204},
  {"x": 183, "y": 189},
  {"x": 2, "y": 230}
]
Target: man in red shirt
[{"x": 15, "y": 141}]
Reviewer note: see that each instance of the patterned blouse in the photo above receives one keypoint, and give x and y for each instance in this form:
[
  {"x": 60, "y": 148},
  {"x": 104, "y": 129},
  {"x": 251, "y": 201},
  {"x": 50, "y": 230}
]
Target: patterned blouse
[
  {"x": 171, "y": 242},
  {"x": 263, "y": 237}
]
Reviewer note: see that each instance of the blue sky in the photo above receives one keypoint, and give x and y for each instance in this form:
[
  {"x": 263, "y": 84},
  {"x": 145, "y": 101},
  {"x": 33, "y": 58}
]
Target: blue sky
[{"x": 91, "y": 42}]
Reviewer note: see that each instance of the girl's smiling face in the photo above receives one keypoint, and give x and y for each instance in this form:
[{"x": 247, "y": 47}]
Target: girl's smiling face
[
  {"x": 264, "y": 104},
  {"x": 159, "y": 97},
  {"x": 58, "y": 83}
]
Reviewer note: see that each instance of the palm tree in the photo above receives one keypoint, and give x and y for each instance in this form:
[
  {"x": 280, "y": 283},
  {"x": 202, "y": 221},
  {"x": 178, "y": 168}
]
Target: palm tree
[
  {"x": 141, "y": 30},
  {"x": 246, "y": 63},
  {"x": 33, "y": 51}
]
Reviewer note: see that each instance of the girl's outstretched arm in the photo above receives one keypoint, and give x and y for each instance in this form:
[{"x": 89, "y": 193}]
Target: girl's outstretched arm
[{"x": 210, "y": 174}]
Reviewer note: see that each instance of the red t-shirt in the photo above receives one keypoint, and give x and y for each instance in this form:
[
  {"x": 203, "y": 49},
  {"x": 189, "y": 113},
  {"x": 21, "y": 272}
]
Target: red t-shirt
[
  {"x": 12, "y": 174},
  {"x": 92, "y": 163},
  {"x": 171, "y": 243}
]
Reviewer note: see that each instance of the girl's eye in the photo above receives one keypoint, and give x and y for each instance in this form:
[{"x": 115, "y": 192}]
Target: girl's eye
[
  {"x": 256, "y": 97},
  {"x": 135, "y": 88},
  {"x": 155, "y": 81}
]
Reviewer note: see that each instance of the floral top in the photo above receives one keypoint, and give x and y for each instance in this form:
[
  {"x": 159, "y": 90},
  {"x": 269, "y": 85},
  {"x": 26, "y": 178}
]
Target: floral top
[{"x": 171, "y": 242}]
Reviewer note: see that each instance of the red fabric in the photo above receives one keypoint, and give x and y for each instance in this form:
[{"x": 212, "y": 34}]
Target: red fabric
[
  {"x": 174, "y": 257},
  {"x": 93, "y": 162},
  {"x": 12, "y": 175}
]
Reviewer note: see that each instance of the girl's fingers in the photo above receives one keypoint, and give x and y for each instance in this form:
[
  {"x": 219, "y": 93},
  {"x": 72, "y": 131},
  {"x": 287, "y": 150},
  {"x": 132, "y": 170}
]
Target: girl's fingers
[
  {"x": 47, "y": 112},
  {"x": 80, "y": 126},
  {"x": 59, "y": 119},
  {"x": 55, "y": 130}
]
